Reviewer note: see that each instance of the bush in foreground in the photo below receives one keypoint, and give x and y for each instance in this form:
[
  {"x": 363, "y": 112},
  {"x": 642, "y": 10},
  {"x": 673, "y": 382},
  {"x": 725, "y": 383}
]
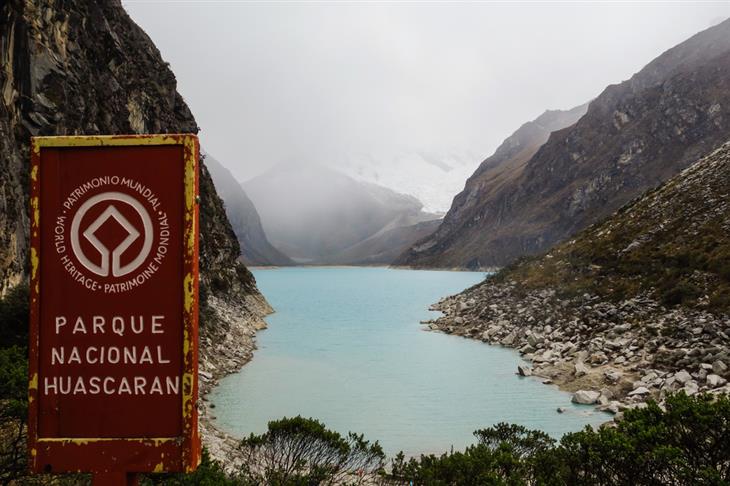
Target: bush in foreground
[{"x": 687, "y": 442}]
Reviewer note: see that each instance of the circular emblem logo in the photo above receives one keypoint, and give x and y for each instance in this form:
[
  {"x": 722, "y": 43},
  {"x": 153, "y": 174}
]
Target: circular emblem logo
[
  {"x": 118, "y": 234},
  {"x": 112, "y": 255}
]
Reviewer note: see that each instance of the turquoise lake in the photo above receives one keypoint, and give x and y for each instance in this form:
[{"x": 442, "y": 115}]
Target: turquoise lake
[{"x": 345, "y": 346}]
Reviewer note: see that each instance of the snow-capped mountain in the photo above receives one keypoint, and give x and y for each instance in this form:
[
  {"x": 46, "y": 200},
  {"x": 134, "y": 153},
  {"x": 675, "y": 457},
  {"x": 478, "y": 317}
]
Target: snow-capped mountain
[{"x": 434, "y": 179}]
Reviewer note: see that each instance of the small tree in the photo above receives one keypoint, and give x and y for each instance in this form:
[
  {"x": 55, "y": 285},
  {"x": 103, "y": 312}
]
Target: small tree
[
  {"x": 504, "y": 454},
  {"x": 520, "y": 453},
  {"x": 299, "y": 451},
  {"x": 209, "y": 473}
]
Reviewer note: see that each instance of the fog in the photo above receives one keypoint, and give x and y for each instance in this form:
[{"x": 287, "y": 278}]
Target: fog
[
  {"x": 332, "y": 83},
  {"x": 313, "y": 213}
]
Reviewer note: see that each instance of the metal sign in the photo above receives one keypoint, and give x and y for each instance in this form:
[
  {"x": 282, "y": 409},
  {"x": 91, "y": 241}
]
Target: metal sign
[{"x": 114, "y": 304}]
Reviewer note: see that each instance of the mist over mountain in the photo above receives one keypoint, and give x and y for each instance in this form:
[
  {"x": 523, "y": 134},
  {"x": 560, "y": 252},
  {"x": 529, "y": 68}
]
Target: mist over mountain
[
  {"x": 432, "y": 177},
  {"x": 634, "y": 136},
  {"x": 386, "y": 245},
  {"x": 245, "y": 221},
  {"x": 317, "y": 215}
]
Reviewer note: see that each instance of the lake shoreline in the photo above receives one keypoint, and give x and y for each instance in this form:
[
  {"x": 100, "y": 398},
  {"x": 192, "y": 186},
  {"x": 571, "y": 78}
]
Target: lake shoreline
[
  {"x": 222, "y": 355},
  {"x": 615, "y": 356}
]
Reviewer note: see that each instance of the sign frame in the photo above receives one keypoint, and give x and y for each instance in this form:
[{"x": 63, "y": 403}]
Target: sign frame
[{"x": 121, "y": 455}]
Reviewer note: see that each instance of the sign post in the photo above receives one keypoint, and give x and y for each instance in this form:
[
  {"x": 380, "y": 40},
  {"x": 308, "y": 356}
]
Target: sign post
[{"x": 113, "y": 355}]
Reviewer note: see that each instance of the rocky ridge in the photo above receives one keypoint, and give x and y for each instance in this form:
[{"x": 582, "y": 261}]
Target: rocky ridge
[
  {"x": 634, "y": 136},
  {"x": 459, "y": 239},
  {"x": 569, "y": 312},
  {"x": 255, "y": 246}
]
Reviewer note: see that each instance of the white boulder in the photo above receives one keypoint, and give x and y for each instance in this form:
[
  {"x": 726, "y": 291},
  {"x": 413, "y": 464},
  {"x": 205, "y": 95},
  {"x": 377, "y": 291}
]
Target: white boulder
[{"x": 586, "y": 397}]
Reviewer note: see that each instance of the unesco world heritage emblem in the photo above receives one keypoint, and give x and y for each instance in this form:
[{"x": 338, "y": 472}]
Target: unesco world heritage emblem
[{"x": 112, "y": 241}]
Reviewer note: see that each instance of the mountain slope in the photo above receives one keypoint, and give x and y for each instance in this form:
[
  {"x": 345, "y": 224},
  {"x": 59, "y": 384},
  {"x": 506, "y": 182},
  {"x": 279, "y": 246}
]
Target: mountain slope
[
  {"x": 245, "y": 221},
  {"x": 314, "y": 213},
  {"x": 386, "y": 245},
  {"x": 634, "y": 136},
  {"x": 638, "y": 304},
  {"x": 502, "y": 168},
  {"x": 672, "y": 243}
]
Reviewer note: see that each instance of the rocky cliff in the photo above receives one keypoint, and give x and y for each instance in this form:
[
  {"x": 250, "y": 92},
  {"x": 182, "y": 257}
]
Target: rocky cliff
[
  {"x": 459, "y": 235},
  {"x": 85, "y": 67},
  {"x": 245, "y": 220},
  {"x": 631, "y": 308},
  {"x": 633, "y": 136}
]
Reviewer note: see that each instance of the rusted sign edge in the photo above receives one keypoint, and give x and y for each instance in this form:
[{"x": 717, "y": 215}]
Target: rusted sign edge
[
  {"x": 191, "y": 441},
  {"x": 35, "y": 245}
]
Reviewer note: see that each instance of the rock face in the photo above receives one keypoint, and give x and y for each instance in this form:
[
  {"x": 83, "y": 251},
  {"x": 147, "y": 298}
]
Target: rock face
[
  {"x": 84, "y": 67},
  {"x": 255, "y": 247},
  {"x": 619, "y": 310},
  {"x": 634, "y": 136},
  {"x": 459, "y": 239},
  {"x": 317, "y": 215}
]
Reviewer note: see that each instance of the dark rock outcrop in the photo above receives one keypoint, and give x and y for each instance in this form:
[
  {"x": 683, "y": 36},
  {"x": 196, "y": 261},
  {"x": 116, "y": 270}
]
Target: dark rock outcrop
[
  {"x": 255, "y": 247},
  {"x": 634, "y": 136}
]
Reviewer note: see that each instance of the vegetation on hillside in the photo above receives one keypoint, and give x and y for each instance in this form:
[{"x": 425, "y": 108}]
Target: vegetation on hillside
[{"x": 672, "y": 243}]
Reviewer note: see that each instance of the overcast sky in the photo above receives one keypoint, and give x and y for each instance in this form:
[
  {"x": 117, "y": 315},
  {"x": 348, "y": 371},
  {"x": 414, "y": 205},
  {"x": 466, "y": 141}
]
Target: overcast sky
[{"x": 318, "y": 81}]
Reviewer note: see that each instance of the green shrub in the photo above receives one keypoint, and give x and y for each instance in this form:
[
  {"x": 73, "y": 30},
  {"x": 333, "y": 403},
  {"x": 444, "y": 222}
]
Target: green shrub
[
  {"x": 688, "y": 443},
  {"x": 209, "y": 473},
  {"x": 13, "y": 462},
  {"x": 300, "y": 451},
  {"x": 679, "y": 292},
  {"x": 504, "y": 454},
  {"x": 13, "y": 383}
]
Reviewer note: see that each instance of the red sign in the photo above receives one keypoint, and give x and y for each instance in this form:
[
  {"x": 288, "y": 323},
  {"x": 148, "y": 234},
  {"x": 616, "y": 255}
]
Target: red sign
[{"x": 114, "y": 317}]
